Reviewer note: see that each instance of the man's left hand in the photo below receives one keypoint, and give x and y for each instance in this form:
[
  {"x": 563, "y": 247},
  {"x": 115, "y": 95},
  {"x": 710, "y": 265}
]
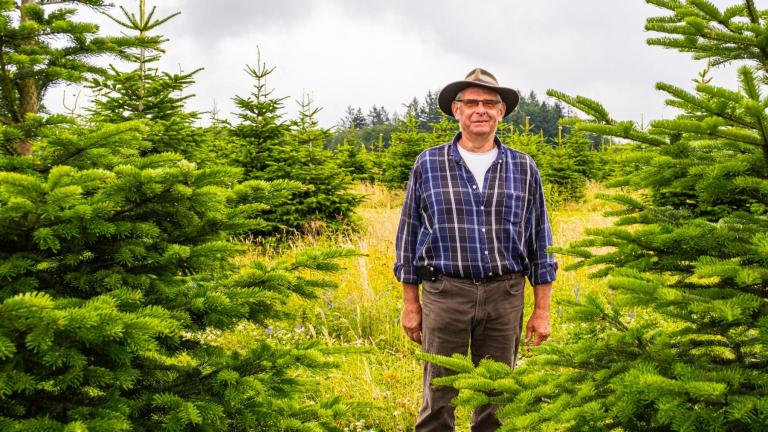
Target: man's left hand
[{"x": 538, "y": 327}]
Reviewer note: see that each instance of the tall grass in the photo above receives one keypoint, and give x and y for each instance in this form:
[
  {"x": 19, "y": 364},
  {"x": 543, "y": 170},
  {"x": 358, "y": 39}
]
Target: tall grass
[{"x": 363, "y": 311}]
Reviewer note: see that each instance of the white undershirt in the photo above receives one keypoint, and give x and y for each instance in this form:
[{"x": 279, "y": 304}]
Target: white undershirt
[{"x": 478, "y": 163}]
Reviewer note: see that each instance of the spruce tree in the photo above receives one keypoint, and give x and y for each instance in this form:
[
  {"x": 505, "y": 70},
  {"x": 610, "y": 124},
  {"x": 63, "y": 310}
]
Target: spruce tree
[
  {"x": 147, "y": 93},
  {"x": 680, "y": 343},
  {"x": 119, "y": 275},
  {"x": 270, "y": 147},
  {"x": 41, "y": 49},
  {"x": 116, "y": 266},
  {"x": 407, "y": 143}
]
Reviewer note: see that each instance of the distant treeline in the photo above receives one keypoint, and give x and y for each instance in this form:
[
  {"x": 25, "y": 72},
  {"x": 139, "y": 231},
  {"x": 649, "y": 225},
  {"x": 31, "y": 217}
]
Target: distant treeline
[{"x": 374, "y": 128}]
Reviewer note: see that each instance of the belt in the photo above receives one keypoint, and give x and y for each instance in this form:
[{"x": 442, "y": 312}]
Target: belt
[
  {"x": 432, "y": 274},
  {"x": 478, "y": 281}
]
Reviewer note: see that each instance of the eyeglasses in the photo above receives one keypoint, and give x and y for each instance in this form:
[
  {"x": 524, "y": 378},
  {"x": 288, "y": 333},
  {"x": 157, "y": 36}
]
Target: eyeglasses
[{"x": 474, "y": 103}]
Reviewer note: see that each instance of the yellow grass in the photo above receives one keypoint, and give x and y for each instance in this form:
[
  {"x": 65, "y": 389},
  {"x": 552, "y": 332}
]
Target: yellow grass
[
  {"x": 368, "y": 302},
  {"x": 364, "y": 310}
]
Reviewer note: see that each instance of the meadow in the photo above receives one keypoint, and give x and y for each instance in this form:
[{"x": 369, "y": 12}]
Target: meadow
[{"x": 380, "y": 374}]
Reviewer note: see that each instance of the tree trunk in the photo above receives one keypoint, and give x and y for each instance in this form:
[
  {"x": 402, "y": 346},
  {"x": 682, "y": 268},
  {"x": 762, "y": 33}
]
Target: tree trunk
[{"x": 28, "y": 95}]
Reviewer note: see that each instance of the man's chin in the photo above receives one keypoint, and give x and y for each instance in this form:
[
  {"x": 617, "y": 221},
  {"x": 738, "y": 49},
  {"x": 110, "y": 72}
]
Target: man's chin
[{"x": 481, "y": 131}]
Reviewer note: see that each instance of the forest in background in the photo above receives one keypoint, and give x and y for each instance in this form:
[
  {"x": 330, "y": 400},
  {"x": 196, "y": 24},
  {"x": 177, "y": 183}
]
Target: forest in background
[{"x": 162, "y": 275}]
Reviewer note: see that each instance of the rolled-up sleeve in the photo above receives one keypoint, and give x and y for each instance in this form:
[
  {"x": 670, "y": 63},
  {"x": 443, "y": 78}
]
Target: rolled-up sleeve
[
  {"x": 408, "y": 230},
  {"x": 542, "y": 265}
]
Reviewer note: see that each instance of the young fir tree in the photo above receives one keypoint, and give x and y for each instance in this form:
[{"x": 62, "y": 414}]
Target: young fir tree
[
  {"x": 352, "y": 156},
  {"x": 565, "y": 165},
  {"x": 681, "y": 343},
  {"x": 118, "y": 274},
  {"x": 397, "y": 160},
  {"x": 269, "y": 147},
  {"x": 152, "y": 95},
  {"x": 31, "y": 62},
  {"x": 116, "y": 266}
]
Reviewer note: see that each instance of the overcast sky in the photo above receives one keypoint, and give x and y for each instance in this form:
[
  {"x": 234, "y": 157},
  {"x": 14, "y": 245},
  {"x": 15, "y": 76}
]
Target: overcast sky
[{"x": 361, "y": 53}]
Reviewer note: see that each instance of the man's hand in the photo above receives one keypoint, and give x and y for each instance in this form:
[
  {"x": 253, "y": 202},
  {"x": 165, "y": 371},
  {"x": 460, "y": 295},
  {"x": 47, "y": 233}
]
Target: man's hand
[
  {"x": 410, "y": 319},
  {"x": 538, "y": 327}
]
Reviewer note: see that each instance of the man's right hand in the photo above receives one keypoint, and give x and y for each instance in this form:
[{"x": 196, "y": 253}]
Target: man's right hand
[{"x": 410, "y": 319}]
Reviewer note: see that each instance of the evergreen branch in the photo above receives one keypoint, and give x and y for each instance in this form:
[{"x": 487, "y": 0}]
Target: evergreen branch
[
  {"x": 95, "y": 139},
  {"x": 753, "y": 15},
  {"x": 756, "y": 109},
  {"x": 588, "y": 106},
  {"x": 708, "y": 8},
  {"x": 699, "y": 103},
  {"x": 671, "y": 5}
]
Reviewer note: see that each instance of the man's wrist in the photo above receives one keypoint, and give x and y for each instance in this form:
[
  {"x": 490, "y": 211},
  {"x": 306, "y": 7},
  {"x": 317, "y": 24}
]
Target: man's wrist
[{"x": 410, "y": 294}]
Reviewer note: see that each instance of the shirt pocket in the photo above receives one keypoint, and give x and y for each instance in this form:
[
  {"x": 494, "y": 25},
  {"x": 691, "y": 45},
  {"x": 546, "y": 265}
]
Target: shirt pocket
[{"x": 512, "y": 210}]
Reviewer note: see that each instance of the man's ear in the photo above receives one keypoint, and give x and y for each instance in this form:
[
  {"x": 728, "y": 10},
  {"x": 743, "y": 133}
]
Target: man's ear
[
  {"x": 455, "y": 108},
  {"x": 503, "y": 109}
]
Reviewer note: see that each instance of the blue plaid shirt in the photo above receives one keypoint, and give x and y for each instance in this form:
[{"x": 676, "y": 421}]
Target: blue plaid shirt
[{"x": 451, "y": 225}]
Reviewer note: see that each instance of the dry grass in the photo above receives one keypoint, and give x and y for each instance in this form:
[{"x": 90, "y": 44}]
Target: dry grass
[
  {"x": 369, "y": 302},
  {"x": 364, "y": 309}
]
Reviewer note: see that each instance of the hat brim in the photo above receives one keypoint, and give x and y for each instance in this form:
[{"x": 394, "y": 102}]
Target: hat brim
[{"x": 448, "y": 95}]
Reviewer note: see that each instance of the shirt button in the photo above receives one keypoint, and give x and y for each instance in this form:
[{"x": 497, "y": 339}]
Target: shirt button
[
  {"x": 490, "y": 274},
  {"x": 486, "y": 252},
  {"x": 474, "y": 186},
  {"x": 482, "y": 207},
  {"x": 483, "y": 230}
]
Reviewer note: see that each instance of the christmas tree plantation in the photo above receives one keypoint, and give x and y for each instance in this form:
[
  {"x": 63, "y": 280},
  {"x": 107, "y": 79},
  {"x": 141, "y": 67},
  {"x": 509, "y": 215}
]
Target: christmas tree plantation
[
  {"x": 114, "y": 268},
  {"x": 117, "y": 261},
  {"x": 680, "y": 341}
]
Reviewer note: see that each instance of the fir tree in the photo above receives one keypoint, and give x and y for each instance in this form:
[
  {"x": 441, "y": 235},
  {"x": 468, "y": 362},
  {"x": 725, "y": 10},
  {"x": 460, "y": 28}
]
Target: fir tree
[
  {"x": 399, "y": 157},
  {"x": 152, "y": 95},
  {"x": 31, "y": 62},
  {"x": 269, "y": 147},
  {"x": 115, "y": 267},
  {"x": 681, "y": 344},
  {"x": 118, "y": 271}
]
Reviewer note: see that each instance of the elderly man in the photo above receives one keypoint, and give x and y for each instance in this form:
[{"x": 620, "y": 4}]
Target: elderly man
[{"x": 473, "y": 226}]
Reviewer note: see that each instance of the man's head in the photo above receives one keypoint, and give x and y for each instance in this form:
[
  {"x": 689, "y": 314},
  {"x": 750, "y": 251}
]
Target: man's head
[
  {"x": 480, "y": 78},
  {"x": 478, "y": 111}
]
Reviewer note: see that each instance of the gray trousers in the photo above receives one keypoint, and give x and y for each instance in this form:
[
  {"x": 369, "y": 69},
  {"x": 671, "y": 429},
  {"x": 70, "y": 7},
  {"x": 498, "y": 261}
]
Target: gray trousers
[{"x": 460, "y": 315}]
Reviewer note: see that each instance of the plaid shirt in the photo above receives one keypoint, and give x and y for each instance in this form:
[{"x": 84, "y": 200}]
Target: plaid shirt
[{"x": 451, "y": 225}]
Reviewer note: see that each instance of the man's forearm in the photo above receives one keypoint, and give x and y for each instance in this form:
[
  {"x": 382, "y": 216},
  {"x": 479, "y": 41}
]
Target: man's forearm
[
  {"x": 542, "y": 294},
  {"x": 410, "y": 293}
]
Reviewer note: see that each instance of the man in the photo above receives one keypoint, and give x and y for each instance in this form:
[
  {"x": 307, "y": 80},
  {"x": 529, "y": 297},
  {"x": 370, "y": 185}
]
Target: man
[{"x": 473, "y": 226}]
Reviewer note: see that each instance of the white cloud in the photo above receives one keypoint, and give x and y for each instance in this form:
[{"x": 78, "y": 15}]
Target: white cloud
[{"x": 348, "y": 52}]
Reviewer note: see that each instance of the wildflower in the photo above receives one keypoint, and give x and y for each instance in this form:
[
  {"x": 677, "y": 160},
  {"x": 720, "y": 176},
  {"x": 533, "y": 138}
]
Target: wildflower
[
  {"x": 270, "y": 330},
  {"x": 299, "y": 328},
  {"x": 631, "y": 316}
]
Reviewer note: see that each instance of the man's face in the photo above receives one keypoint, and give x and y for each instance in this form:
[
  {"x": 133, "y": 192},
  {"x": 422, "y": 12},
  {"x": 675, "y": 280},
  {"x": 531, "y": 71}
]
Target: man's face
[{"x": 478, "y": 119}]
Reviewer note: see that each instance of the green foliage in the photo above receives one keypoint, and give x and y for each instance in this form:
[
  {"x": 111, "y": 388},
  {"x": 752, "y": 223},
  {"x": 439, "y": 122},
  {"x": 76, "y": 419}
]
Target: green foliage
[
  {"x": 39, "y": 50},
  {"x": 353, "y": 156},
  {"x": 537, "y": 117},
  {"x": 565, "y": 166},
  {"x": 407, "y": 144},
  {"x": 679, "y": 343},
  {"x": 152, "y": 95},
  {"x": 115, "y": 271},
  {"x": 268, "y": 147},
  {"x": 118, "y": 264}
]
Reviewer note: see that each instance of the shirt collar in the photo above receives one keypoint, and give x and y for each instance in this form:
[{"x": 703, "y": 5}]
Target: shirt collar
[{"x": 457, "y": 156}]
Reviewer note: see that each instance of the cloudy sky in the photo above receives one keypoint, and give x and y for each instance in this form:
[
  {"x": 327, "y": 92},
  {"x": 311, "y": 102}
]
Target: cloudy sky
[{"x": 360, "y": 53}]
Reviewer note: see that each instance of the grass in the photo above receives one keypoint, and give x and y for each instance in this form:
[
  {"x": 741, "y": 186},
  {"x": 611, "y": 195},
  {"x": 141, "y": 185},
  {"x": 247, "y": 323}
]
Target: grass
[{"x": 364, "y": 310}]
